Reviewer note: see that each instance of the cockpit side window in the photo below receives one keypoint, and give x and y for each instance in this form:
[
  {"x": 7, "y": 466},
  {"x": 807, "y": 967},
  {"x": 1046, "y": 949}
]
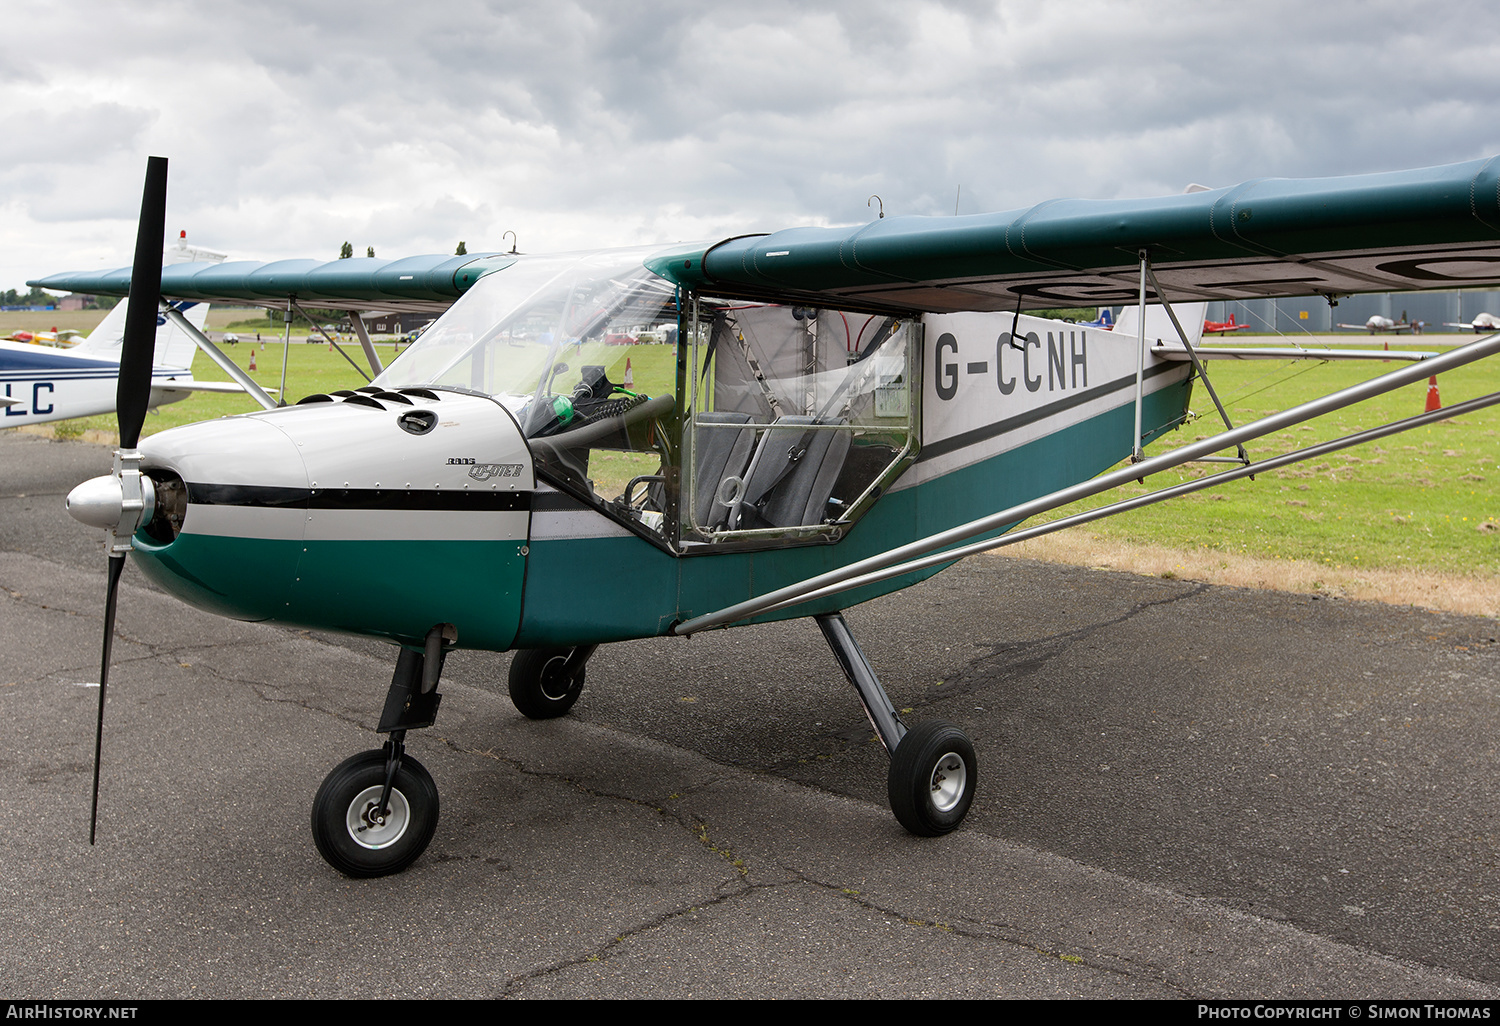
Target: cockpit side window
[{"x": 797, "y": 419}]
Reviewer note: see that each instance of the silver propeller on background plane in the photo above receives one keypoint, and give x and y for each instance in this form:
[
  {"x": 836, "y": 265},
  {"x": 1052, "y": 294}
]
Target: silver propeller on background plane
[{"x": 118, "y": 503}]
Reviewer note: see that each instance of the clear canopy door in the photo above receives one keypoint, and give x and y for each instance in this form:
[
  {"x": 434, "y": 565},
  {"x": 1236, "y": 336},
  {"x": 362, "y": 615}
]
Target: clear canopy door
[{"x": 799, "y": 417}]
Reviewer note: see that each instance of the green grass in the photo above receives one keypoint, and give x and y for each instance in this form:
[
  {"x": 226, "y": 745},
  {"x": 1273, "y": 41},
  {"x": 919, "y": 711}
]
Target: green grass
[
  {"x": 219, "y": 317},
  {"x": 46, "y": 320},
  {"x": 1424, "y": 499}
]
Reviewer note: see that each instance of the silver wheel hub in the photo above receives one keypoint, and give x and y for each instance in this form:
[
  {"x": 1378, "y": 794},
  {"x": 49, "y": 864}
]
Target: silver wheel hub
[
  {"x": 368, "y": 827},
  {"x": 554, "y": 684},
  {"x": 948, "y": 779}
]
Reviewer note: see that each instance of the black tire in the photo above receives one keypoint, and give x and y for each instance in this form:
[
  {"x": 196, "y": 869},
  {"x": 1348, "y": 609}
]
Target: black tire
[
  {"x": 932, "y": 778},
  {"x": 537, "y": 685},
  {"x": 345, "y": 836}
]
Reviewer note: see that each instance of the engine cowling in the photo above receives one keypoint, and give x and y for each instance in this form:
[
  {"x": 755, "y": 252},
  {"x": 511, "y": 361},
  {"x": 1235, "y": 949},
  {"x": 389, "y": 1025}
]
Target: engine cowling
[{"x": 374, "y": 513}]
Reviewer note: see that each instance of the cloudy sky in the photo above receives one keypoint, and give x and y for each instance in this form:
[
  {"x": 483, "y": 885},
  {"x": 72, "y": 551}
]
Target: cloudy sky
[{"x": 292, "y": 127}]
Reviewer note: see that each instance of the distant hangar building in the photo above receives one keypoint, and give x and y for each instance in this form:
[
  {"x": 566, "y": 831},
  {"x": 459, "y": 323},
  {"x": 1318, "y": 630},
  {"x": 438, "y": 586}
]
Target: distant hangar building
[{"x": 1313, "y": 314}]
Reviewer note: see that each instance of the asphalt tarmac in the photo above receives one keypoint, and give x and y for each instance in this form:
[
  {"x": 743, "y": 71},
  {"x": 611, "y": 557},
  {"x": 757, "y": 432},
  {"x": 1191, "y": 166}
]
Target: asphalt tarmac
[{"x": 1185, "y": 792}]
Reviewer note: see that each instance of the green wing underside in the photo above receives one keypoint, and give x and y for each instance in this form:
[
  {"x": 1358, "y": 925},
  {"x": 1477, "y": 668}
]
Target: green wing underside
[
  {"x": 420, "y": 283},
  {"x": 1431, "y": 228}
]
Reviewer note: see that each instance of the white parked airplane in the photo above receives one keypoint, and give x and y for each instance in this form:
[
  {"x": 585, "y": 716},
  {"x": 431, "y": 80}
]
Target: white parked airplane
[
  {"x": 1379, "y": 323},
  {"x": 40, "y": 383},
  {"x": 1480, "y": 324}
]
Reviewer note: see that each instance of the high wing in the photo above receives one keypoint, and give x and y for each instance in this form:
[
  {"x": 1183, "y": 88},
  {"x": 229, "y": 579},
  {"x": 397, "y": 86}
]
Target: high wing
[
  {"x": 420, "y": 283},
  {"x": 1430, "y": 228}
]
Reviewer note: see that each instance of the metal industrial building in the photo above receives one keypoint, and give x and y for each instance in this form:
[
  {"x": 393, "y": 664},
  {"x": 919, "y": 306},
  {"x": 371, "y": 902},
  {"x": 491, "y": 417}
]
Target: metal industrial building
[{"x": 1313, "y": 314}]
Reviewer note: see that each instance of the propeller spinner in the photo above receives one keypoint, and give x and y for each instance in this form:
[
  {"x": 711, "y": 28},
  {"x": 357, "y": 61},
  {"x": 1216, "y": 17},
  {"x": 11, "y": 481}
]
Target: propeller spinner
[{"x": 119, "y": 502}]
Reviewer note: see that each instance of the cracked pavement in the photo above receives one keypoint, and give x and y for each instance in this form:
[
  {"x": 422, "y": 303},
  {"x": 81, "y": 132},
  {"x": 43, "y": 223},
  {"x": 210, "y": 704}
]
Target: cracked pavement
[{"x": 1185, "y": 791}]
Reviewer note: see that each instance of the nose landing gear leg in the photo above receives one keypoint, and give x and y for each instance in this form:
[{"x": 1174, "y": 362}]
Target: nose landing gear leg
[{"x": 377, "y": 811}]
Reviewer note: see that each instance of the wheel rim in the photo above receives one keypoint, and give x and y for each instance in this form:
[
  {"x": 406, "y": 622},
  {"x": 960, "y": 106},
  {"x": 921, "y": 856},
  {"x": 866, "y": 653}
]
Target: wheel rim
[
  {"x": 948, "y": 779},
  {"x": 554, "y": 684},
  {"x": 364, "y": 829}
]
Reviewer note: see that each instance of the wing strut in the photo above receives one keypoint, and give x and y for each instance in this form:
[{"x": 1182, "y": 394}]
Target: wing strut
[
  {"x": 1192, "y": 353},
  {"x": 319, "y": 329},
  {"x": 838, "y": 580},
  {"x": 215, "y": 354},
  {"x": 1126, "y": 505},
  {"x": 1138, "y": 454},
  {"x": 364, "y": 341}
]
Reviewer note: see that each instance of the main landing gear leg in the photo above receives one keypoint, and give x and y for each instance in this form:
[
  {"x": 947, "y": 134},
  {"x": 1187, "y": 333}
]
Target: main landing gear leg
[
  {"x": 933, "y": 773},
  {"x": 377, "y": 811}
]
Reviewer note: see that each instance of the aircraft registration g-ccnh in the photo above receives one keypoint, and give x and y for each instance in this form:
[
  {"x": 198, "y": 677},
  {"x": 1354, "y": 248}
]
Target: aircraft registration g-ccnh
[{"x": 840, "y": 413}]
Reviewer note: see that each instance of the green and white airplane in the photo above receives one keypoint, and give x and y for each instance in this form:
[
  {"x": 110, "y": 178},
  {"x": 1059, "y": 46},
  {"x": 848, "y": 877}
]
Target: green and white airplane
[{"x": 593, "y": 447}]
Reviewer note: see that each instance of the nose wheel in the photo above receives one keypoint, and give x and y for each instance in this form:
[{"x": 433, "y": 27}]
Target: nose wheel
[
  {"x": 360, "y": 836},
  {"x": 377, "y": 811}
]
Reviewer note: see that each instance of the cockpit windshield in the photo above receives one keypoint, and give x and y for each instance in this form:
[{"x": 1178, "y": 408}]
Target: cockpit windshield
[
  {"x": 581, "y": 349},
  {"x": 546, "y": 335}
]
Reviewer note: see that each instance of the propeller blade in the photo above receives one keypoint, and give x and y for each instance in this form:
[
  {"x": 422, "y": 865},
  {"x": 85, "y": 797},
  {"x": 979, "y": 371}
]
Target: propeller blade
[
  {"x": 132, "y": 396},
  {"x": 116, "y": 565},
  {"x": 133, "y": 393}
]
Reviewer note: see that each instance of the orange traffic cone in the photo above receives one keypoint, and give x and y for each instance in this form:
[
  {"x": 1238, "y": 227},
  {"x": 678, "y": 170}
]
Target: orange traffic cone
[
  {"x": 1387, "y": 349},
  {"x": 629, "y": 375},
  {"x": 1433, "y": 401},
  {"x": 252, "y": 359}
]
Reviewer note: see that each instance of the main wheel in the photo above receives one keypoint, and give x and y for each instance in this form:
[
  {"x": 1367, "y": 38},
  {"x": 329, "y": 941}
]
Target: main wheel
[
  {"x": 538, "y": 686},
  {"x": 348, "y": 829},
  {"x": 932, "y": 777}
]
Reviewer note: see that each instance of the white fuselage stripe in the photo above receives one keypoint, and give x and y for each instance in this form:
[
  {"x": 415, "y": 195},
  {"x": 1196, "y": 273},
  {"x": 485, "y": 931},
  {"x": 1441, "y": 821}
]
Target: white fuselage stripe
[{"x": 355, "y": 524}]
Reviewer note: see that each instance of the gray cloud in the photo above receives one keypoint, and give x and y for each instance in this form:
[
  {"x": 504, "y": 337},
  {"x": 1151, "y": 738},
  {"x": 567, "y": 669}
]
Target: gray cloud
[{"x": 292, "y": 127}]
